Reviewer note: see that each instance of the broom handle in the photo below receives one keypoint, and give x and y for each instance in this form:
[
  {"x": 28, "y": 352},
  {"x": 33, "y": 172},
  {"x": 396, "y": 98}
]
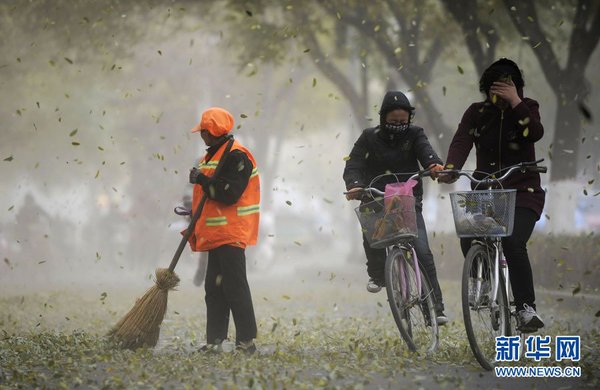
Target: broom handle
[{"x": 198, "y": 211}]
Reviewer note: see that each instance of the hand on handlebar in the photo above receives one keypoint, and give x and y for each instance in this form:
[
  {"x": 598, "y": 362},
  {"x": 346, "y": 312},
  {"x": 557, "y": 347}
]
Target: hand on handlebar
[
  {"x": 434, "y": 169},
  {"x": 355, "y": 193},
  {"x": 447, "y": 177}
]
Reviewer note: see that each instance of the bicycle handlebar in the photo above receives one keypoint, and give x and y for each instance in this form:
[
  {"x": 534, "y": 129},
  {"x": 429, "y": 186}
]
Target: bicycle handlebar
[
  {"x": 490, "y": 179},
  {"x": 416, "y": 176}
]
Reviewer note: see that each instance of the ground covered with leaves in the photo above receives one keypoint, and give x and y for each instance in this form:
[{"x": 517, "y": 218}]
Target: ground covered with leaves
[{"x": 329, "y": 333}]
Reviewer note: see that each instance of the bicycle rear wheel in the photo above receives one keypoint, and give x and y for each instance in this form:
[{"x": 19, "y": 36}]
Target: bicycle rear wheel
[
  {"x": 484, "y": 319},
  {"x": 413, "y": 309}
]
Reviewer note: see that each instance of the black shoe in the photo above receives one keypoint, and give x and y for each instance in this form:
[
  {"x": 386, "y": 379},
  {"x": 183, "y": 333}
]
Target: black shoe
[
  {"x": 247, "y": 347},
  {"x": 210, "y": 348},
  {"x": 375, "y": 285},
  {"x": 440, "y": 317}
]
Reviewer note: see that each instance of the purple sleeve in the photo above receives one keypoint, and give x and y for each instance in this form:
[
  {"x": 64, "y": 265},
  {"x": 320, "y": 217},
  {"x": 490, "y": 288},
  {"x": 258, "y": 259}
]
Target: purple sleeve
[
  {"x": 463, "y": 139},
  {"x": 527, "y": 124}
]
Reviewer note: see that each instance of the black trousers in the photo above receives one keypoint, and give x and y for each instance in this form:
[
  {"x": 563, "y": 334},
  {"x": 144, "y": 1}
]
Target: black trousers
[
  {"x": 515, "y": 251},
  {"x": 376, "y": 260},
  {"x": 227, "y": 290}
]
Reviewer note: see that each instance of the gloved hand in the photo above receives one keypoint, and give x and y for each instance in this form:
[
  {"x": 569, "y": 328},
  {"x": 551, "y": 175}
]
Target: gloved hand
[
  {"x": 447, "y": 178},
  {"x": 197, "y": 177}
]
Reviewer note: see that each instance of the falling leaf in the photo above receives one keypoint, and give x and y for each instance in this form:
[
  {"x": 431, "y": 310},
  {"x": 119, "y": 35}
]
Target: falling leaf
[
  {"x": 73, "y": 133},
  {"x": 9, "y": 158},
  {"x": 74, "y": 143},
  {"x": 244, "y": 116},
  {"x": 97, "y": 174},
  {"x": 41, "y": 262},
  {"x": 314, "y": 83},
  {"x": 327, "y": 200},
  {"x": 286, "y": 297},
  {"x": 159, "y": 52},
  {"x": 289, "y": 203},
  {"x": 585, "y": 192},
  {"x": 460, "y": 70},
  {"x": 444, "y": 90},
  {"x": 346, "y": 158},
  {"x": 69, "y": 60},
  {"x": 306, "y": 50},
  {"x": 298, "y": 243},
  {"x": 577, "y": 288},
  {"x": 598, "y": 313},
  {"x": 248, "y": 12},
  {"x": 585, "y": 111}
]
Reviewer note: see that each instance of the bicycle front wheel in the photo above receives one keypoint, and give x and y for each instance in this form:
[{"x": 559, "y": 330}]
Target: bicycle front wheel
[
  {"x": 485, "y": 318},
  {"x": 411, "y": 301}
]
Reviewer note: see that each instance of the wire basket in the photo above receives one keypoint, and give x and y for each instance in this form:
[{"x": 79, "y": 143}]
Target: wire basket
[
  {"x": 484, "y": 213},
  {"x": 386, "y": 221}
]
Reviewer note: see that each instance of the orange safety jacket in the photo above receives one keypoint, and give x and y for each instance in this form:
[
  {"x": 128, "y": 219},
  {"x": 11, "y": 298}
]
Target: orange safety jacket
[{"x": 220, "y": 224}]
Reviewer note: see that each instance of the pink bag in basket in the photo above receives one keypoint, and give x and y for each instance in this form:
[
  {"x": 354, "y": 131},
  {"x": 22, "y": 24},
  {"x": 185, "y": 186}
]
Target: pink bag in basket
[{"x": 393, "y": 189}]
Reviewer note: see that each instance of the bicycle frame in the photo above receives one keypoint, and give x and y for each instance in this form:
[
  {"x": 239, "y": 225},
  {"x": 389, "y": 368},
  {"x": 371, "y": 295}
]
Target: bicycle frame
[
  {"x": 402, "y": 245},
  {"x": 408, "y": 247},
  {"x": 497, "y": 245}
]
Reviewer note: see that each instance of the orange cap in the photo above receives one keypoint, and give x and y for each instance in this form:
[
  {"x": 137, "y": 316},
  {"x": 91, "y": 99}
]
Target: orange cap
[{"x": 216, "y": 120}]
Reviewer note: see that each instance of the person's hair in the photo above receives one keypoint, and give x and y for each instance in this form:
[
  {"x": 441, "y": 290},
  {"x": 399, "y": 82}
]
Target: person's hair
[{"x": 503, "y": 68}]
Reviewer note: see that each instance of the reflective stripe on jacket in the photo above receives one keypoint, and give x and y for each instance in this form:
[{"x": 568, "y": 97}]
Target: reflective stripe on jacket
[{"x": 219, "y": 223}]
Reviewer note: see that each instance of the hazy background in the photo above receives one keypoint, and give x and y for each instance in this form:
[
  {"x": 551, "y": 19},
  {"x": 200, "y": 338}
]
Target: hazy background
[{"x": 97, "y": 99}]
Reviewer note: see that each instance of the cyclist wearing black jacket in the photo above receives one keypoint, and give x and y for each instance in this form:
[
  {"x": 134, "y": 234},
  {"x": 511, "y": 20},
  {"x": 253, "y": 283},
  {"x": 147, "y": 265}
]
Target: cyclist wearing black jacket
[{"x": 395, "y": 145}]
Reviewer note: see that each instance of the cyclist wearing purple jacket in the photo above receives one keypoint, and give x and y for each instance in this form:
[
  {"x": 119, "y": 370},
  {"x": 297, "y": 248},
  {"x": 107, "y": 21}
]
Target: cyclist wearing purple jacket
[
  {"x": 503, "y": 129},
  {"x": 395, "y": 146}
]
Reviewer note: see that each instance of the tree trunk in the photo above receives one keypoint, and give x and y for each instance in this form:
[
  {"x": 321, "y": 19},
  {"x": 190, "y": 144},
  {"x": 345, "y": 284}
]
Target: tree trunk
[{"x": 567, "y": 134}]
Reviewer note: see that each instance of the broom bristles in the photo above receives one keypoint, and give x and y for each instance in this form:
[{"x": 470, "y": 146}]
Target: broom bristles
[{"x": 140, "y": 327}]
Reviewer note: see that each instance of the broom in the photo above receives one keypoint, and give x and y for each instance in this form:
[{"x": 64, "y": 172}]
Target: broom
[{"x": 140, "y": 327}]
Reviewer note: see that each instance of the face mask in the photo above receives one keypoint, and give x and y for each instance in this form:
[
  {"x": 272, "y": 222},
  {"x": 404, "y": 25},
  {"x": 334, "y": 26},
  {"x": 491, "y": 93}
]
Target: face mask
[{"x": 394, "y": 129}]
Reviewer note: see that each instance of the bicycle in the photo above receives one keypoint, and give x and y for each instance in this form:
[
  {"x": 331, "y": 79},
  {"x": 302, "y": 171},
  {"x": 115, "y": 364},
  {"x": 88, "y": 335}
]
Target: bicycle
[
  {"x": 390, "y": 223},
  {"x": 486, "y": 216}
]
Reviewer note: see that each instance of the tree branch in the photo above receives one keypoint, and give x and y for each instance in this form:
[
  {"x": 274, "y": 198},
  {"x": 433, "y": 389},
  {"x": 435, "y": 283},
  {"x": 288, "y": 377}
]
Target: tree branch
[
  {"x": 469, "y": 25},
  {"x": 544, "y": 53},
  {"x": 333, "y": 73},
  {"x": 583, "y": 41}
]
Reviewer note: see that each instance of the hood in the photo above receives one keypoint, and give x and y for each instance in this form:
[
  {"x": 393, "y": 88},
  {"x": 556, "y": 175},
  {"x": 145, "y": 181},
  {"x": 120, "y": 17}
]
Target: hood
[{"x": 392, "y": 101}]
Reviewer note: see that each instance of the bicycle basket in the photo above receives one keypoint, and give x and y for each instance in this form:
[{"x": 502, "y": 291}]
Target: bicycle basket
[
  {"x": 386, "y": 221},
  {"x": 484, "y": 213}
]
